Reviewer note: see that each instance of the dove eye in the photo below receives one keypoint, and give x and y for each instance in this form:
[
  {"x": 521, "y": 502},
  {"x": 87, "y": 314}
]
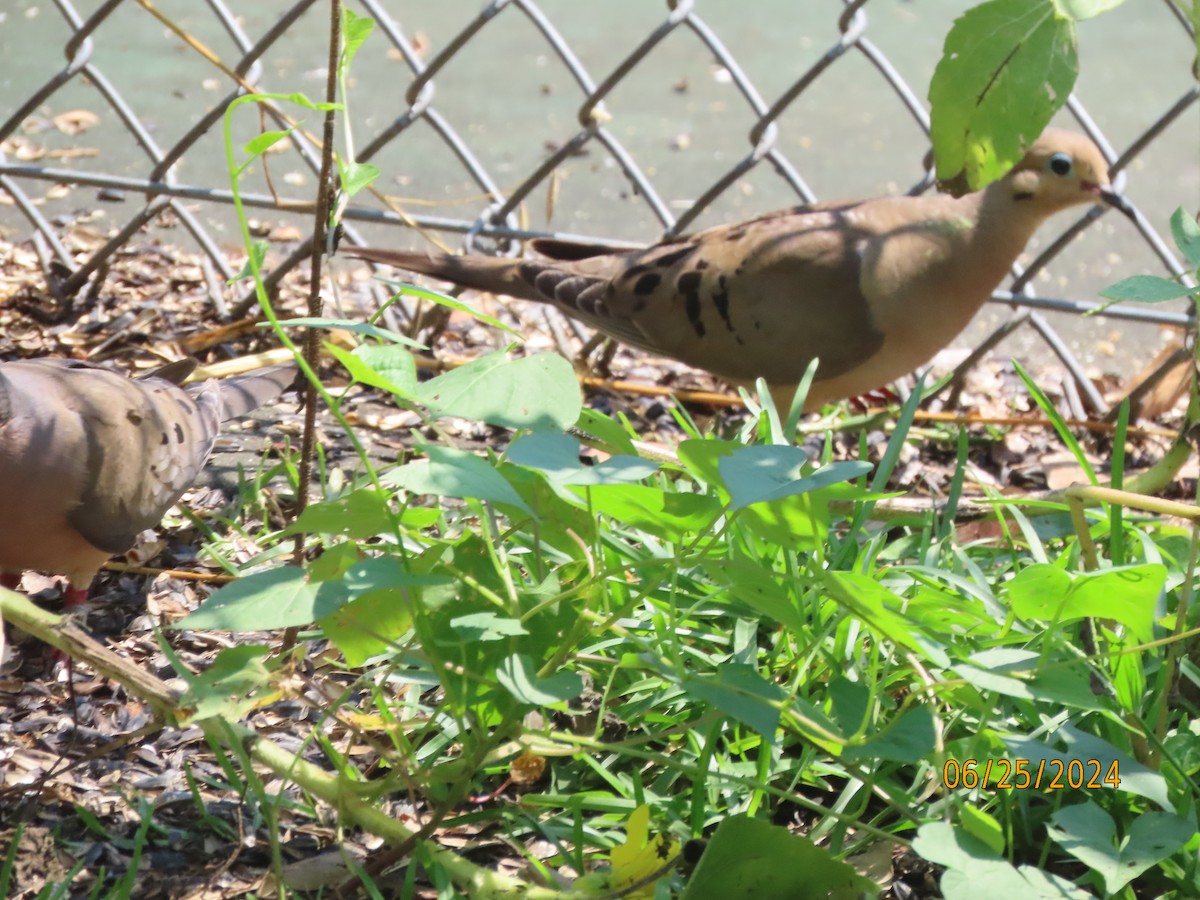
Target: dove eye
[{"x": 1059, "y": 164}]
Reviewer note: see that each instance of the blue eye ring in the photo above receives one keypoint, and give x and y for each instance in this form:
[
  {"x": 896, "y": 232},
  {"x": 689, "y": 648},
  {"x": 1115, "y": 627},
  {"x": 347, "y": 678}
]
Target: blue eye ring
[{"x": 1060, "y": 164}]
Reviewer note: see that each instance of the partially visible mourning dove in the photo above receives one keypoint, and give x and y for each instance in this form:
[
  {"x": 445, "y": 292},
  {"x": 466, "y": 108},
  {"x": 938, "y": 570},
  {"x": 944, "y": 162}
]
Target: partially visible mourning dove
[
  {"x": 89, "y": 458},
  {"x": 873, "y": 288}
]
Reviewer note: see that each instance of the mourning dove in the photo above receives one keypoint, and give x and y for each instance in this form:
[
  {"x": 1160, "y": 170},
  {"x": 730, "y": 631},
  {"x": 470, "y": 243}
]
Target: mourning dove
[
  {"x": 89, "y": 458},
  {"x": 874, "y": 288}
]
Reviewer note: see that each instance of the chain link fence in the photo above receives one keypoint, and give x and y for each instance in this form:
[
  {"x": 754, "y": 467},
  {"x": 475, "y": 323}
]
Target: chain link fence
[{"x": 606, "y": 80}]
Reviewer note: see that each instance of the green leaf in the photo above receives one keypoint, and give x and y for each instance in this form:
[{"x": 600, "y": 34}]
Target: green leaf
[
  {"x": 276, "y": 598},
  {"x": 455, "y": 473},
  {"x": 363, "y": 372},
  {"x": 975, "y": 872},
  {"x": 1135, "y": 777},
  {"x": 557, "y": 457},
  {"x": 802, "y": 520},
  {"x": 361, "y": 514},
  {"x": 407, "y": 289},
  {"x": 370, "y": 624},
  {"x": 752, "y": 858},
  {"x": 907, "y": 739},
  {"x": 1006, "y": 68},
  {"x": 610, "y": 434},
  {"x": 1147, "y": 289},
  {"x": 258, "y": 253},
  {"x": 1186, "y": 232},
  {"x": 394, "y": 366},
  {"x": 355, "y": 175},
  {"x": 1013, "y": 672},
  {"x": 229, "y": 688},
  {"x": 983, "y": 827},
  {"x": 263, "y": 142},
  {"x": 879, "y": 608},
  {"x": 1085, "y": 9},
  {"x": 764, "y": 473},
  {"x": 1087, "y": 833},
  {"x": 758, "y": 588},
  {"x": 355, "y": 30},
  {"x": 486, "y": 626},
  {"x": 384, "y": 573},
  {"x": 1128, "y": 594},
  {"x": 702, "y": 458},
  {"x": 519, "y": 677},
  {"x": 539, "y": 392},
  {"x": 350, "y": 325},
  {"x": 664, "y": 513},
  {"x": 741, "y": 693}
]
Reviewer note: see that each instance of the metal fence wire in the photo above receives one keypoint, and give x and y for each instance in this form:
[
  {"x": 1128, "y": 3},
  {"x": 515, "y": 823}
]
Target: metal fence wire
[{"x": 425, "y": 129}]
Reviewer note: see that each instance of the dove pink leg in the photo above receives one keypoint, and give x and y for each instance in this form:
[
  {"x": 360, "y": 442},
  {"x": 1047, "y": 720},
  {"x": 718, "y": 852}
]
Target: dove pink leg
[
  {"x": 880, "y": 396},
  {"x": 74, "y": 596}
]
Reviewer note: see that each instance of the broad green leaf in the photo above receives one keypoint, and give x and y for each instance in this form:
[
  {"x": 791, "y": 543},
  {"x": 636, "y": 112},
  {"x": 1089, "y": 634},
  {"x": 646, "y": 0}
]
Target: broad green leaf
[
  {"x": 1014, "y": 672},
  {"x": 369, "y": 624},
  {"x": 664, "y": 513},
  {"x": 741, "y": 693},
  {"x": 983, "y": 827},
  {"x": 1085, "y": 9},
  {"x": 361, "y": 371},
  {"x": 762, "y": 473},
  {"x": 361, "y": 514},
  {"x": 1006, "y": 68},
  {"x": 557, "y": 457},
  {"x": 908, "y": 738},
  {"x": 612, "y": 436},
  {"x": 1089, "y": 834},
  {"x": 455, "y": 473},
  {"x": 1135, "y": 778},
  {"x": 802, "y": 520},
  {"x": 394, "y": 365},
  {"x": 1186, "y": 232},
  {"x": 849, "y": 704},
  {"x": 355, "y": 176},
  {"x": 1147, "y": 289},
  {"x": 760, "y": 589},
  {"x": 996, "y": 879},
  {"x": 276, "y": 598},
  {"x": 1128, "y": 594},
  {"x": 877, "y": 607},
  {"x": 486, "y": 626},
  {"x": 974, "y": 871},
  {"x": 355, "y": 31},
  {"x": 537, "y": 392},
  {"x": 387, "y": 573},
  {"x": 702, "y": 459},
  {"x": 753, "y": 858},
  {"x": 519, "y": 677},
  {"x": 231, "y": 686}
]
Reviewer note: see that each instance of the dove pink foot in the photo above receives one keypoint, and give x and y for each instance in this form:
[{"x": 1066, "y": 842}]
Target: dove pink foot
[{"x": 877, "y": 397}]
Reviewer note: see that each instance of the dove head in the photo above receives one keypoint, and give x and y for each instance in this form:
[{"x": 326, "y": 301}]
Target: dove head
[{"x": 1063, "y": 169}]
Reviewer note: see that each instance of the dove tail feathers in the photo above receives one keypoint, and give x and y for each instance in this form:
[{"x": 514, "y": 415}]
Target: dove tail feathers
[
  {"x": 244, "y": 393},
  {"x": 496, "y": 275}
]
